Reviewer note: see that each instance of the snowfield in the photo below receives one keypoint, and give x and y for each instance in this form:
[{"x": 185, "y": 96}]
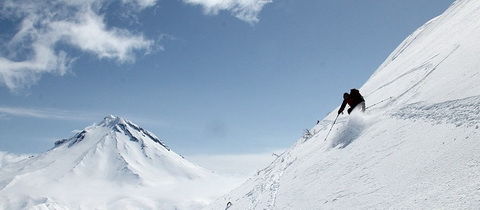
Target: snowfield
[
  {"x": 114, "y": 164},
  {"x": 418, "y": 149}
]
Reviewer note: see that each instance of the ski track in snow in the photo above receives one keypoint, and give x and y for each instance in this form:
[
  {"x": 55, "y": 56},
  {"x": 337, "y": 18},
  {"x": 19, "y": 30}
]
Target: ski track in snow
[
  {"x": 460, "y": 112},
  {"x": 270, "y": 183},
  {"x": 422, "y": 71}
]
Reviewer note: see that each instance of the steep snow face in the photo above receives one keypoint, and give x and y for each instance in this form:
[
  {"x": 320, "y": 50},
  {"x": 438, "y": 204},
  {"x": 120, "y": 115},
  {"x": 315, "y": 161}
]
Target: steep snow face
[
  {"x": 438, "y": 62},
  {"x": 112, "y": 163},
  {"x": 416, "y": 149}
]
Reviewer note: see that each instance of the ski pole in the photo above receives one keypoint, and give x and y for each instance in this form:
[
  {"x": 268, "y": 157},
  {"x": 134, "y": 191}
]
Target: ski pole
[
  {"x": 379, "y": 102},
  {"x": 331, "y": 127}
]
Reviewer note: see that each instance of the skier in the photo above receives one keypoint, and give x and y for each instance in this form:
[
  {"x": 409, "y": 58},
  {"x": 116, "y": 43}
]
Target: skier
[{"x": 353, "y": 99}]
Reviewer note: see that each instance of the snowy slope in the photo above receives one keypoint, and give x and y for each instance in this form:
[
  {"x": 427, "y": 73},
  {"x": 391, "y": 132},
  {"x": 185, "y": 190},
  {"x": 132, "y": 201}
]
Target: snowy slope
[
  {"x": 108, "y": 165},
  {"x": 418, "y": 150}
]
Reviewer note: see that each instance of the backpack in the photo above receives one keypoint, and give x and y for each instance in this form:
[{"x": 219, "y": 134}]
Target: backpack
[{"x": 355, "y": 94}]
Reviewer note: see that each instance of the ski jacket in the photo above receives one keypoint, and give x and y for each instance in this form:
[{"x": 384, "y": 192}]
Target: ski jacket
[{"x": 353, "y": 99}]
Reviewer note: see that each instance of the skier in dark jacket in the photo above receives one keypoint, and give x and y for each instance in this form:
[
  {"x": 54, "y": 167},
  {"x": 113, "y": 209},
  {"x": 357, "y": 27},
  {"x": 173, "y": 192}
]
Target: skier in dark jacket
[{"x": 353, "y": 99}]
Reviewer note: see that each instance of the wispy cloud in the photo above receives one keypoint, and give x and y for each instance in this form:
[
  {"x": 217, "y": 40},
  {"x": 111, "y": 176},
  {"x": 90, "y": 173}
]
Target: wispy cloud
[
  {"x": 142, "y": 4},
  {"x": 7, "y": 113},
  {"x": 246, "y": 10},
  {"x": 53, "y": 114}
]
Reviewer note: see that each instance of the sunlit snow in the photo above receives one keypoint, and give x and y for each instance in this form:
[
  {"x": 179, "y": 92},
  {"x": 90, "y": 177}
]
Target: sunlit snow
[{"x": 415, "y": 147}]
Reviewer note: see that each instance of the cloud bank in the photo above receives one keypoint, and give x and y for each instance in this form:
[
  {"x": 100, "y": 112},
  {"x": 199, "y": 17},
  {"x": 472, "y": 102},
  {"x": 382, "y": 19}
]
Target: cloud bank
[{"x": 43, "y": 30}]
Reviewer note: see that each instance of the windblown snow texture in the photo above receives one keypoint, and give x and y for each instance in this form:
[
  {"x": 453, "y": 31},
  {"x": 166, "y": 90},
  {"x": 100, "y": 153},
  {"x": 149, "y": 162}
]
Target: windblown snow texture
[{"x": 418, "y": 150}]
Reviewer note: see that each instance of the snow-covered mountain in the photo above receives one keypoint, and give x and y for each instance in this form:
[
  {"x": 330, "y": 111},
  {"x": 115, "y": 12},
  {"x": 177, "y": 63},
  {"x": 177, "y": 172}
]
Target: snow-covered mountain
[
  {"x": 416, "y": 147},
  {"x": 114, "y": 164}
]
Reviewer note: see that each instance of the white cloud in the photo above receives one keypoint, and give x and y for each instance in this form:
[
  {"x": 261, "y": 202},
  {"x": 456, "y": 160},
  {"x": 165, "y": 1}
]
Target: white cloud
[
  {"x": 90, "y": 34},
  {"x": 32, "y": 51},
  {"x": 246, "y": 10},
  {"x": 46, "y": 26}
]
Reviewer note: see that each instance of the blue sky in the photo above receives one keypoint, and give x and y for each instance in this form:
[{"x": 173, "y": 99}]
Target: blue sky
[{"x": 206, "y": 76}]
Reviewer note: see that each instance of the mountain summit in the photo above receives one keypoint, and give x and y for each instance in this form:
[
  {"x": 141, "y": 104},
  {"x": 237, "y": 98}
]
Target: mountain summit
[
  {"x": 117, "y": 125},
  {"x": 116, "y": 147},
  {"x": 97, "y": 165}
]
